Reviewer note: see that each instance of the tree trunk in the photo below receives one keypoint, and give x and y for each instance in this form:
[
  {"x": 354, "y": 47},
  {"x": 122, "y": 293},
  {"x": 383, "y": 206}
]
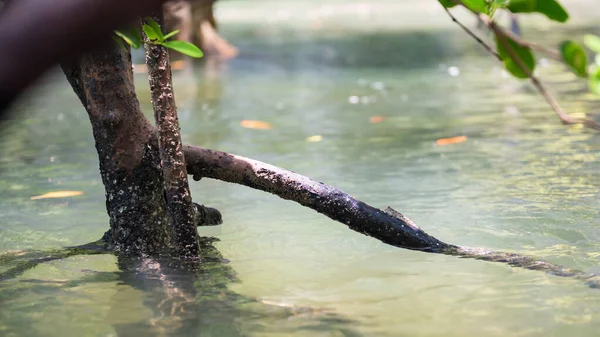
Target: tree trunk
[
  {"x": 130, "y": 166},
  {"x": 177, "y": 191},
  {"x": 127, "y": 150}
]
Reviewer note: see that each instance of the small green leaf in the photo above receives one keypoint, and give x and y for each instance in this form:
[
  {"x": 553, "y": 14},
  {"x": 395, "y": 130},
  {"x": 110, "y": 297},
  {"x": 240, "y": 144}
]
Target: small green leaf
[
  {"x": 553, "y": 10},
  {"x": 156, "y": 27},
  {"x": 523, "y": 53},
  {"x": 150, "y": 33},
  {"x": 447, "y": 3},
  {"x": 594, "y": 80},
  {"x": 550, "y": 8},
  {"x": 132, "y": 36},
  {"x": 479, "y": 6},
  {"x": 184, "y": 48},
  {"x": 494, "y": 5},
  {"x": 119, "y": 42},
  {"x": 500, "y": 3},
  {"x": 171, "y": 34},
  {"x": 522, "y": 6},
  {"x": 592, "y": 42},
  {"x": 574, "y": 55}
]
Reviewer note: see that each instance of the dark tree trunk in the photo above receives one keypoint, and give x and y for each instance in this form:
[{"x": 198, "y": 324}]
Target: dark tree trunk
[
  {"x": 127, "y": 151},
  {"x": 177, "y": 191},
  {"x": 130, "y": 166}
]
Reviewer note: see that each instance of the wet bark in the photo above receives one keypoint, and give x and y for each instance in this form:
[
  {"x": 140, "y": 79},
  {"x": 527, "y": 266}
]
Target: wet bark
[
  {"x": 337, "y": 205},
  {"x": 388, "y": 226},
  {"x": 127, "y": 151},
  {"x": 177, "y": 192}
]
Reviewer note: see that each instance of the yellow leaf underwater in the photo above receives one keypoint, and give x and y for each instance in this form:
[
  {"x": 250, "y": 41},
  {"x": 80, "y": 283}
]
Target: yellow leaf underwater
[
  {"x": 314, "y": 139},
  {"x": 57, "y": 194},
  {"x": 452, "y": 140},
  {"x": 260, "y": 125},
  {"x": 376, "y": 119}
]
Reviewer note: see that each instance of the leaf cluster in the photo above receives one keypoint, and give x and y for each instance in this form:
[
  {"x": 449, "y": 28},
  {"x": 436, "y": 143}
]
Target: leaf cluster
[
  {"x": 573, "y": 54},
  {"x": 133, "y": 37}
]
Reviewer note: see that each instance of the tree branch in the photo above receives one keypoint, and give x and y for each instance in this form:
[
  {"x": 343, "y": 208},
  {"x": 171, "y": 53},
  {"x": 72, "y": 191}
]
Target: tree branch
[
  {"x": 564, "y": 117},
  {"x": 504, "y": 34},
  {"x": 177, "y": 191},
  {"x": 327, "y": 200},
  {"x": 473, "y": 35},
  {"x": 23, "y": 261},
  {"x": 553, "y": 54},
  {"x": 387, "y": 226}
]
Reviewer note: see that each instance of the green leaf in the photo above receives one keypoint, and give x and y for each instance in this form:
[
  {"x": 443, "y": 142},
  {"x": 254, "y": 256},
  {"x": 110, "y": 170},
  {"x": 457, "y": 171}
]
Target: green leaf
[
  {"x": 523, "y": 53},
  {"x": 553, "y": 10},
  {"x": 592, "y": 42},
  {"x": 574, "y": 55},
  {"x": 171, "y": 34},
  {"x": 479, "y": 6},
  {"x": 150, "y": 33},
  {"x": 550, "y": 8},
  {"x": 447, "y": 3},
  {"x": 522, "y": 6},
  {"x": 184, "y": 48},
  {"x": 494, "y": 5},
  {"x": 594, "y": 80},
  {"x": 119, "y": 42},
  {"x": 156, "y": 27},
  {"x": 132, "y": 36},
  {"x": 500, "y": 3}
]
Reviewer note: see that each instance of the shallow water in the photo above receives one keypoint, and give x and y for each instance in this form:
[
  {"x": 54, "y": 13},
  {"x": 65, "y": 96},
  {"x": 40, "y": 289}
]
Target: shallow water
[{"x": 521, "y": 182}]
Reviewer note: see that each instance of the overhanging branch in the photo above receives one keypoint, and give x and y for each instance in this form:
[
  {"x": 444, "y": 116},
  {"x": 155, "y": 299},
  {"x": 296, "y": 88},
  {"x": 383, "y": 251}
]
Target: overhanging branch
[
  {"x": 502, "y": 35},
  {"x": 386, "y": 226},
  {"x": 324, "y": 199}
]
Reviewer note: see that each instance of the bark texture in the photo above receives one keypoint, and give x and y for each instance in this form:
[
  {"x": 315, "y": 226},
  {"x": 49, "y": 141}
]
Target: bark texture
[
  {"x": 388, "y": 226},
  {"x": 337, "y": 205},
  {"x": 127, "y": 151},
  {"x": 177, "y": 191}
]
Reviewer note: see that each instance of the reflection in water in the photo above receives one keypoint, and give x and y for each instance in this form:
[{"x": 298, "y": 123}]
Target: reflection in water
[
  {"x": 189, "y": 299},
  {"x": 171, "y": 298}
]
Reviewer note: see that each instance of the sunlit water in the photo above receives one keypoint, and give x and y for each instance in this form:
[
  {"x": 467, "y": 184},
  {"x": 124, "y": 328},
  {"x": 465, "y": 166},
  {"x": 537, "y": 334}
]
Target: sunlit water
[{"x": 521, "y": 182}]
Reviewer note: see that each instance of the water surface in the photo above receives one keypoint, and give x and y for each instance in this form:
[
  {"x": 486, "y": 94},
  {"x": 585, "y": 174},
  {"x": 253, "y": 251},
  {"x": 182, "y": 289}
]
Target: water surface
[{"x": 521, "y": 182}]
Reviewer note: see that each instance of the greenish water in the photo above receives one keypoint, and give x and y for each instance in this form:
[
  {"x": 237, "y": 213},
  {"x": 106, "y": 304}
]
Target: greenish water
[{"x": 521, "y": 182}]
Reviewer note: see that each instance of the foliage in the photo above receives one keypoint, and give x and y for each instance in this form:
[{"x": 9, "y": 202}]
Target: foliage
[
  {"x": 133, "y": 37},
  {"x": 593, "y": 43},
  {"x": 573, "y": 54},
  {"x": 524, "y": 54}
]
